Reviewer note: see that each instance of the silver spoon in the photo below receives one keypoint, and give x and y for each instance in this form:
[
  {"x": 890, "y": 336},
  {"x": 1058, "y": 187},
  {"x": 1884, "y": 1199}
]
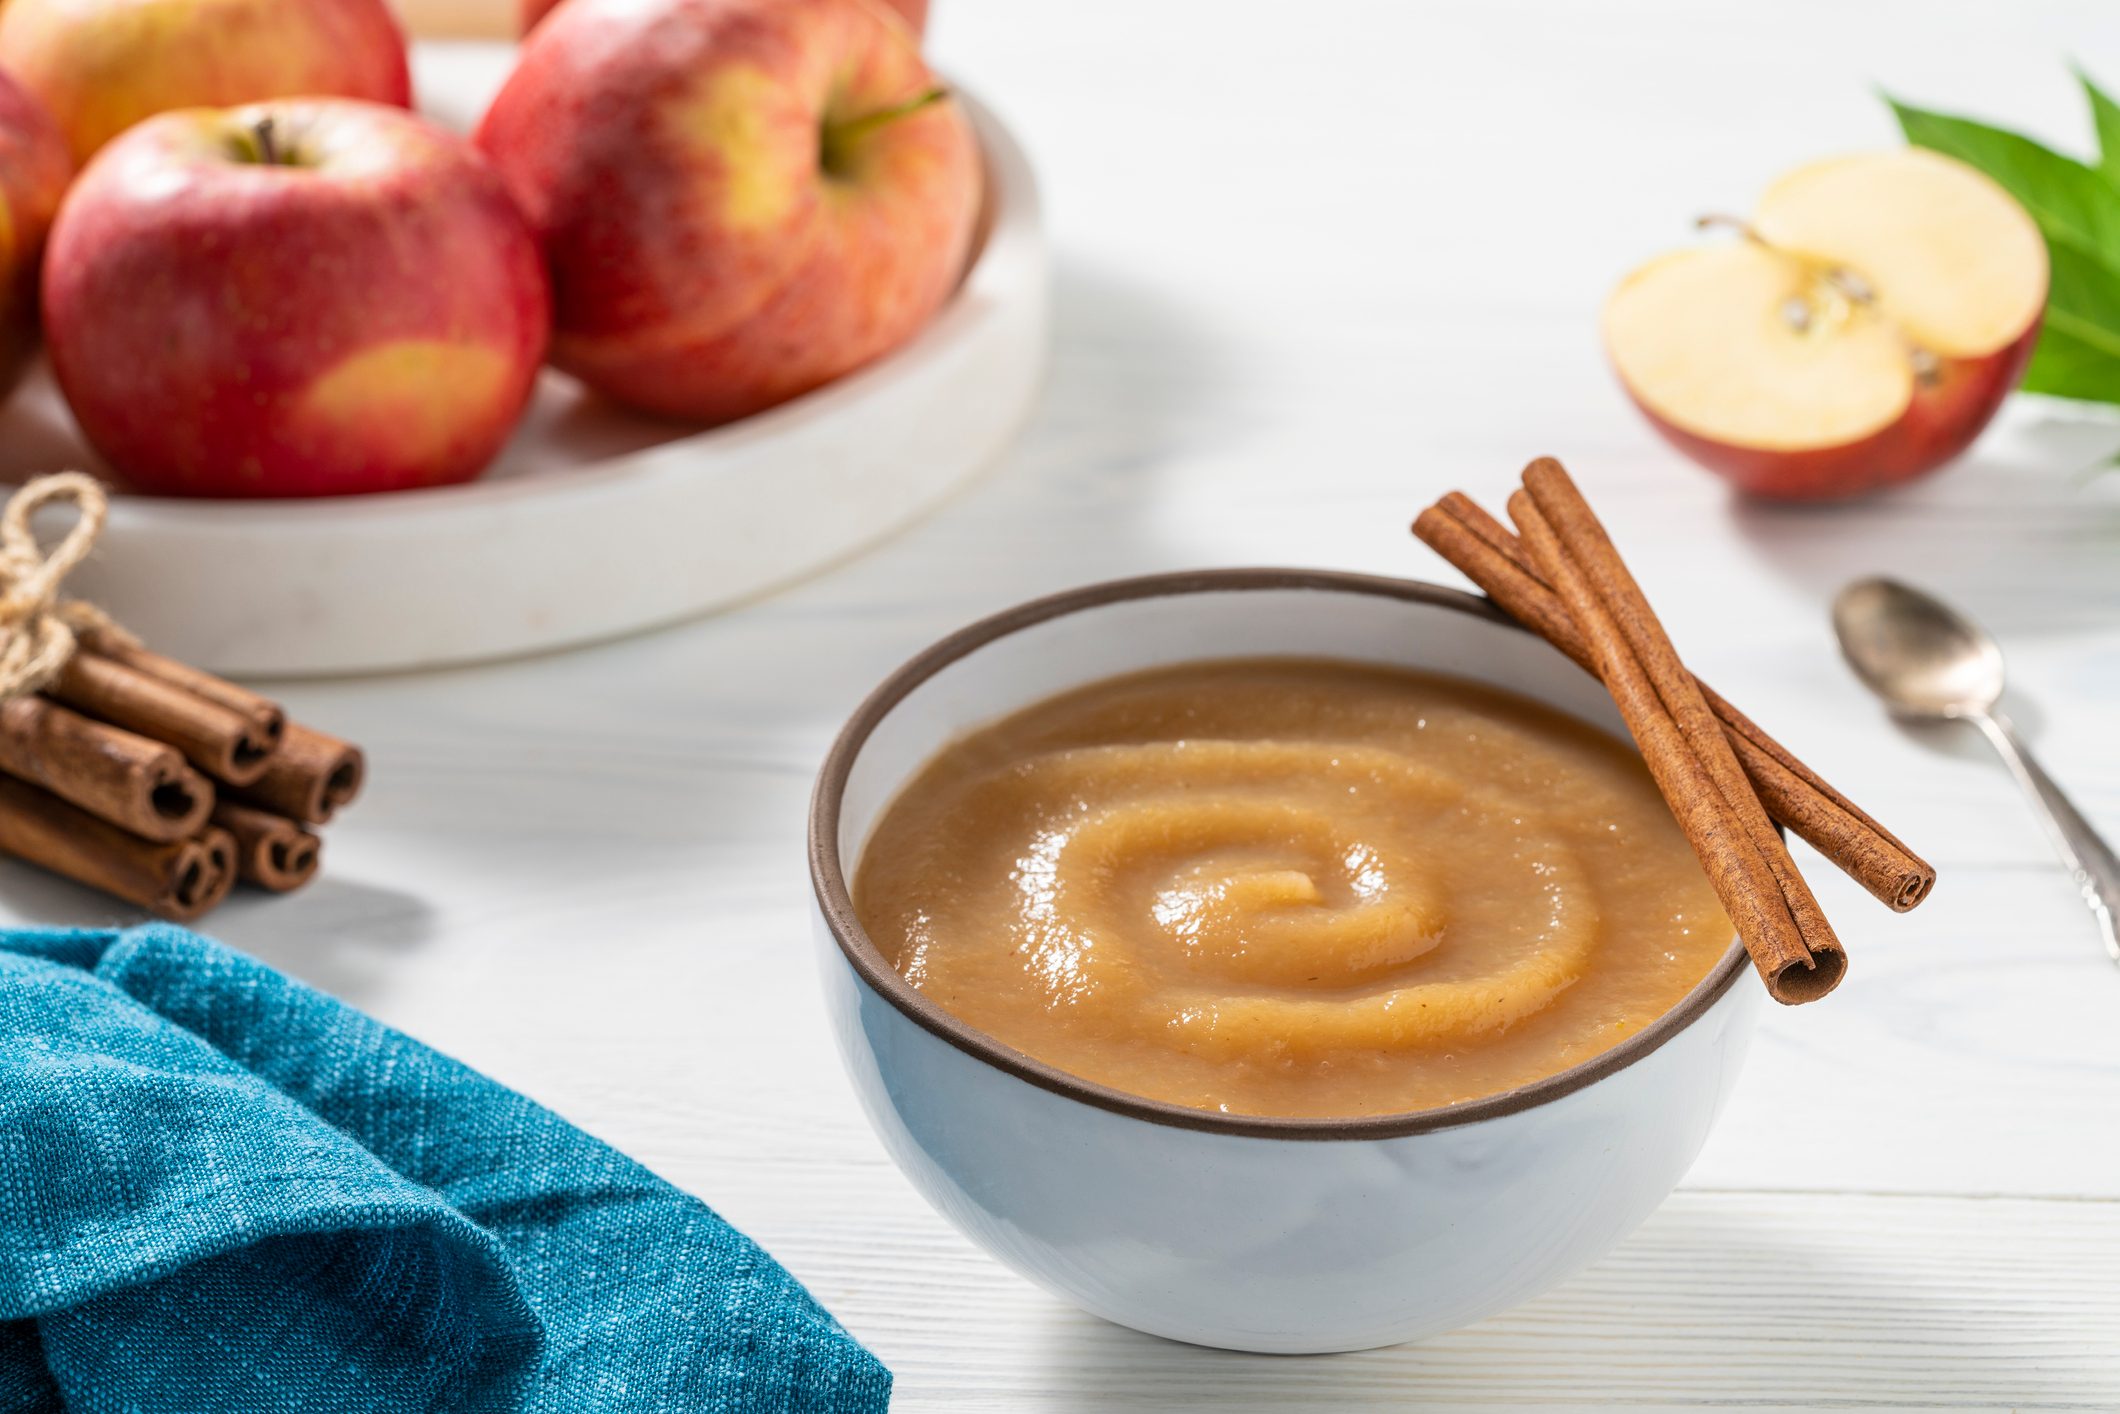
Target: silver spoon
[{"x": 1929, "y": 662}]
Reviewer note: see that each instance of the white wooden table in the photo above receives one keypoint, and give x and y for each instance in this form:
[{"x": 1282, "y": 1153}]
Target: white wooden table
[{"x": 1317, "y": 264}]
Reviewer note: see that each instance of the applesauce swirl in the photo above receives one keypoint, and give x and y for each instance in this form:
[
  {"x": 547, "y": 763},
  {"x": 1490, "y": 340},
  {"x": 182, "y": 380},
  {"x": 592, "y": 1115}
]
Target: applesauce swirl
[{"x": 1292, "y": 887}]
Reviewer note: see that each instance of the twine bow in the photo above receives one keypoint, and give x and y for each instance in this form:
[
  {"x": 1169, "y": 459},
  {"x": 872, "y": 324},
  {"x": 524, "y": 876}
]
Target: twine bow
[{"x": 38, "y": 630}]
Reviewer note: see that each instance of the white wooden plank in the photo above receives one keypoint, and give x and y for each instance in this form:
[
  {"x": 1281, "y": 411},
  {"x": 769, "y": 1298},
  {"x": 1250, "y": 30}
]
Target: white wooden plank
[
  {"x": 1722, "y": 1300},
  {"x": 1317, "y": 264}
]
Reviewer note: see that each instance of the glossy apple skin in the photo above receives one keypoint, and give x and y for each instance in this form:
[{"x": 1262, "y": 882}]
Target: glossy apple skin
[
  {"x": 914, "y": 11},
  {"x": 103, "y": 65},
  {"x": 34, "y": 171},
  {"x": 704, "y": 266},
  {"x": 373, "y": 321},
  {"x": 1940, "y": 422}
]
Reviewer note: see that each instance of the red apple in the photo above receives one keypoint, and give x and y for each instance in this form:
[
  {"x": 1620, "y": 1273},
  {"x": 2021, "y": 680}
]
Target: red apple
[
  {"x": 301, "y": 298},
  {"x": 1862, "y": 329},
  {"x": 103, "y": 65},
  {"x": 34, "y": 171},
  {"x": 738, "y": 200},
  {"x": 915, "y": 12}
]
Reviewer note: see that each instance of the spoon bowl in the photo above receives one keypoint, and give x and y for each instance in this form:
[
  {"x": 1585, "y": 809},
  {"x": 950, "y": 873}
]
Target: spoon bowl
[
  {"x": 1921, "y": 656},
  {"x": 1929, "y": 662}
]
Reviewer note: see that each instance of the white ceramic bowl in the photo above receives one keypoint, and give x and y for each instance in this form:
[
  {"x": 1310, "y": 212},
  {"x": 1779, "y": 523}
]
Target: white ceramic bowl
[{"x": 1283, "y": 1235}]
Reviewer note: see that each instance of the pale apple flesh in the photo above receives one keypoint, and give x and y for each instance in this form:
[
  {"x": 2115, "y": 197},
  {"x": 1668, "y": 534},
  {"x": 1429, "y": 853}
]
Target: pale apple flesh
[
  {"x": 341, "y": 300},
  {"x": 739, "y": 200},
  {"x": 1862, "y": 331},
  {"x": 103, "y": 65}
]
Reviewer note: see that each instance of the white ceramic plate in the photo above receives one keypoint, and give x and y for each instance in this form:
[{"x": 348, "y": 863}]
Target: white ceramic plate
[{"x": 594, "y": 522}]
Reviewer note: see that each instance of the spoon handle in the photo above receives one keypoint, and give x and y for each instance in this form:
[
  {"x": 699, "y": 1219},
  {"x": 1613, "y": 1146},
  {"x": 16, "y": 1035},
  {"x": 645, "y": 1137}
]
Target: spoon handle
[{"x": 2089, "y": 859}]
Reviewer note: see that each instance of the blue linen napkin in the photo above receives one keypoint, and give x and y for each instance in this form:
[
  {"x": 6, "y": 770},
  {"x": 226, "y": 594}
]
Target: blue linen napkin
[{"x": 221, "y": 1190}]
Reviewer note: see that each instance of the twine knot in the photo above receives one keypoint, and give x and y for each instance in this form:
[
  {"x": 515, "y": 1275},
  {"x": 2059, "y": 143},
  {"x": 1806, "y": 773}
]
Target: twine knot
[{"x": 38, "y": 630}]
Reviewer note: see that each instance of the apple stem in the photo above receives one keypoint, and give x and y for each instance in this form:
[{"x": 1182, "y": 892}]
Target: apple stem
[
  {"x": 839, "y": 138},
  {"x": 268, "y": 143},
  {"x": 1723, "y": 220}
]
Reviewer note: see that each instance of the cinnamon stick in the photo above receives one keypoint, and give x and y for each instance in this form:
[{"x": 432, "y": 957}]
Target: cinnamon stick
[
  {"x": 139, "y": 785},
  {"x": 267, "y": 721},
  {"x": 1765, "y": 897},
  {"x": 179, "y": 879},
  {"x": 1483, "y": 549},
  {"x": 272, "y": 851},
  {"x": 225, "y": 743},
  {"x": 309, "y": 777}
]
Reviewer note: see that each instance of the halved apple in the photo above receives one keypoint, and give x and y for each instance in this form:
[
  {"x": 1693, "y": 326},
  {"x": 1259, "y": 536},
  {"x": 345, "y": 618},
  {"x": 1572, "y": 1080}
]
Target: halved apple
[{"x": 1860, "y": 331}]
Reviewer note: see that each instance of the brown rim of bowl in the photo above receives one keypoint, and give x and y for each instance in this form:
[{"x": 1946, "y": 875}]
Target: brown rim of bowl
[{"x": 828, "y": 878}]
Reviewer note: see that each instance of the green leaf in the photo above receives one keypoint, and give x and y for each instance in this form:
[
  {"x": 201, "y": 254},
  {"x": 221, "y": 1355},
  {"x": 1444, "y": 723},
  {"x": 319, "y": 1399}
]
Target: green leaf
[
  {"x": 2069, "y": 200},
  {"x": 2105, "y": 117},
  {"x": 2083, "y": 296},
  {"x": 2079, "y": 350},
  {"x": 2077, "y": 208},
  {"x": 2064, "y": 366}
]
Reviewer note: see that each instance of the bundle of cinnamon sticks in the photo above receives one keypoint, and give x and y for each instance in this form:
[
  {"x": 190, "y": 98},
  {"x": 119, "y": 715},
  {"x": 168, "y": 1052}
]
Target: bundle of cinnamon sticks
[
  {"x": 162, "y": 784},
  {"x": 1728, "y": 783}
]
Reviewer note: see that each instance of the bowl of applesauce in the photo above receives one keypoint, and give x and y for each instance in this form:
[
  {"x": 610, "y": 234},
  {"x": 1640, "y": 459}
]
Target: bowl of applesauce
[{"x": 1279, "y": 960}]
